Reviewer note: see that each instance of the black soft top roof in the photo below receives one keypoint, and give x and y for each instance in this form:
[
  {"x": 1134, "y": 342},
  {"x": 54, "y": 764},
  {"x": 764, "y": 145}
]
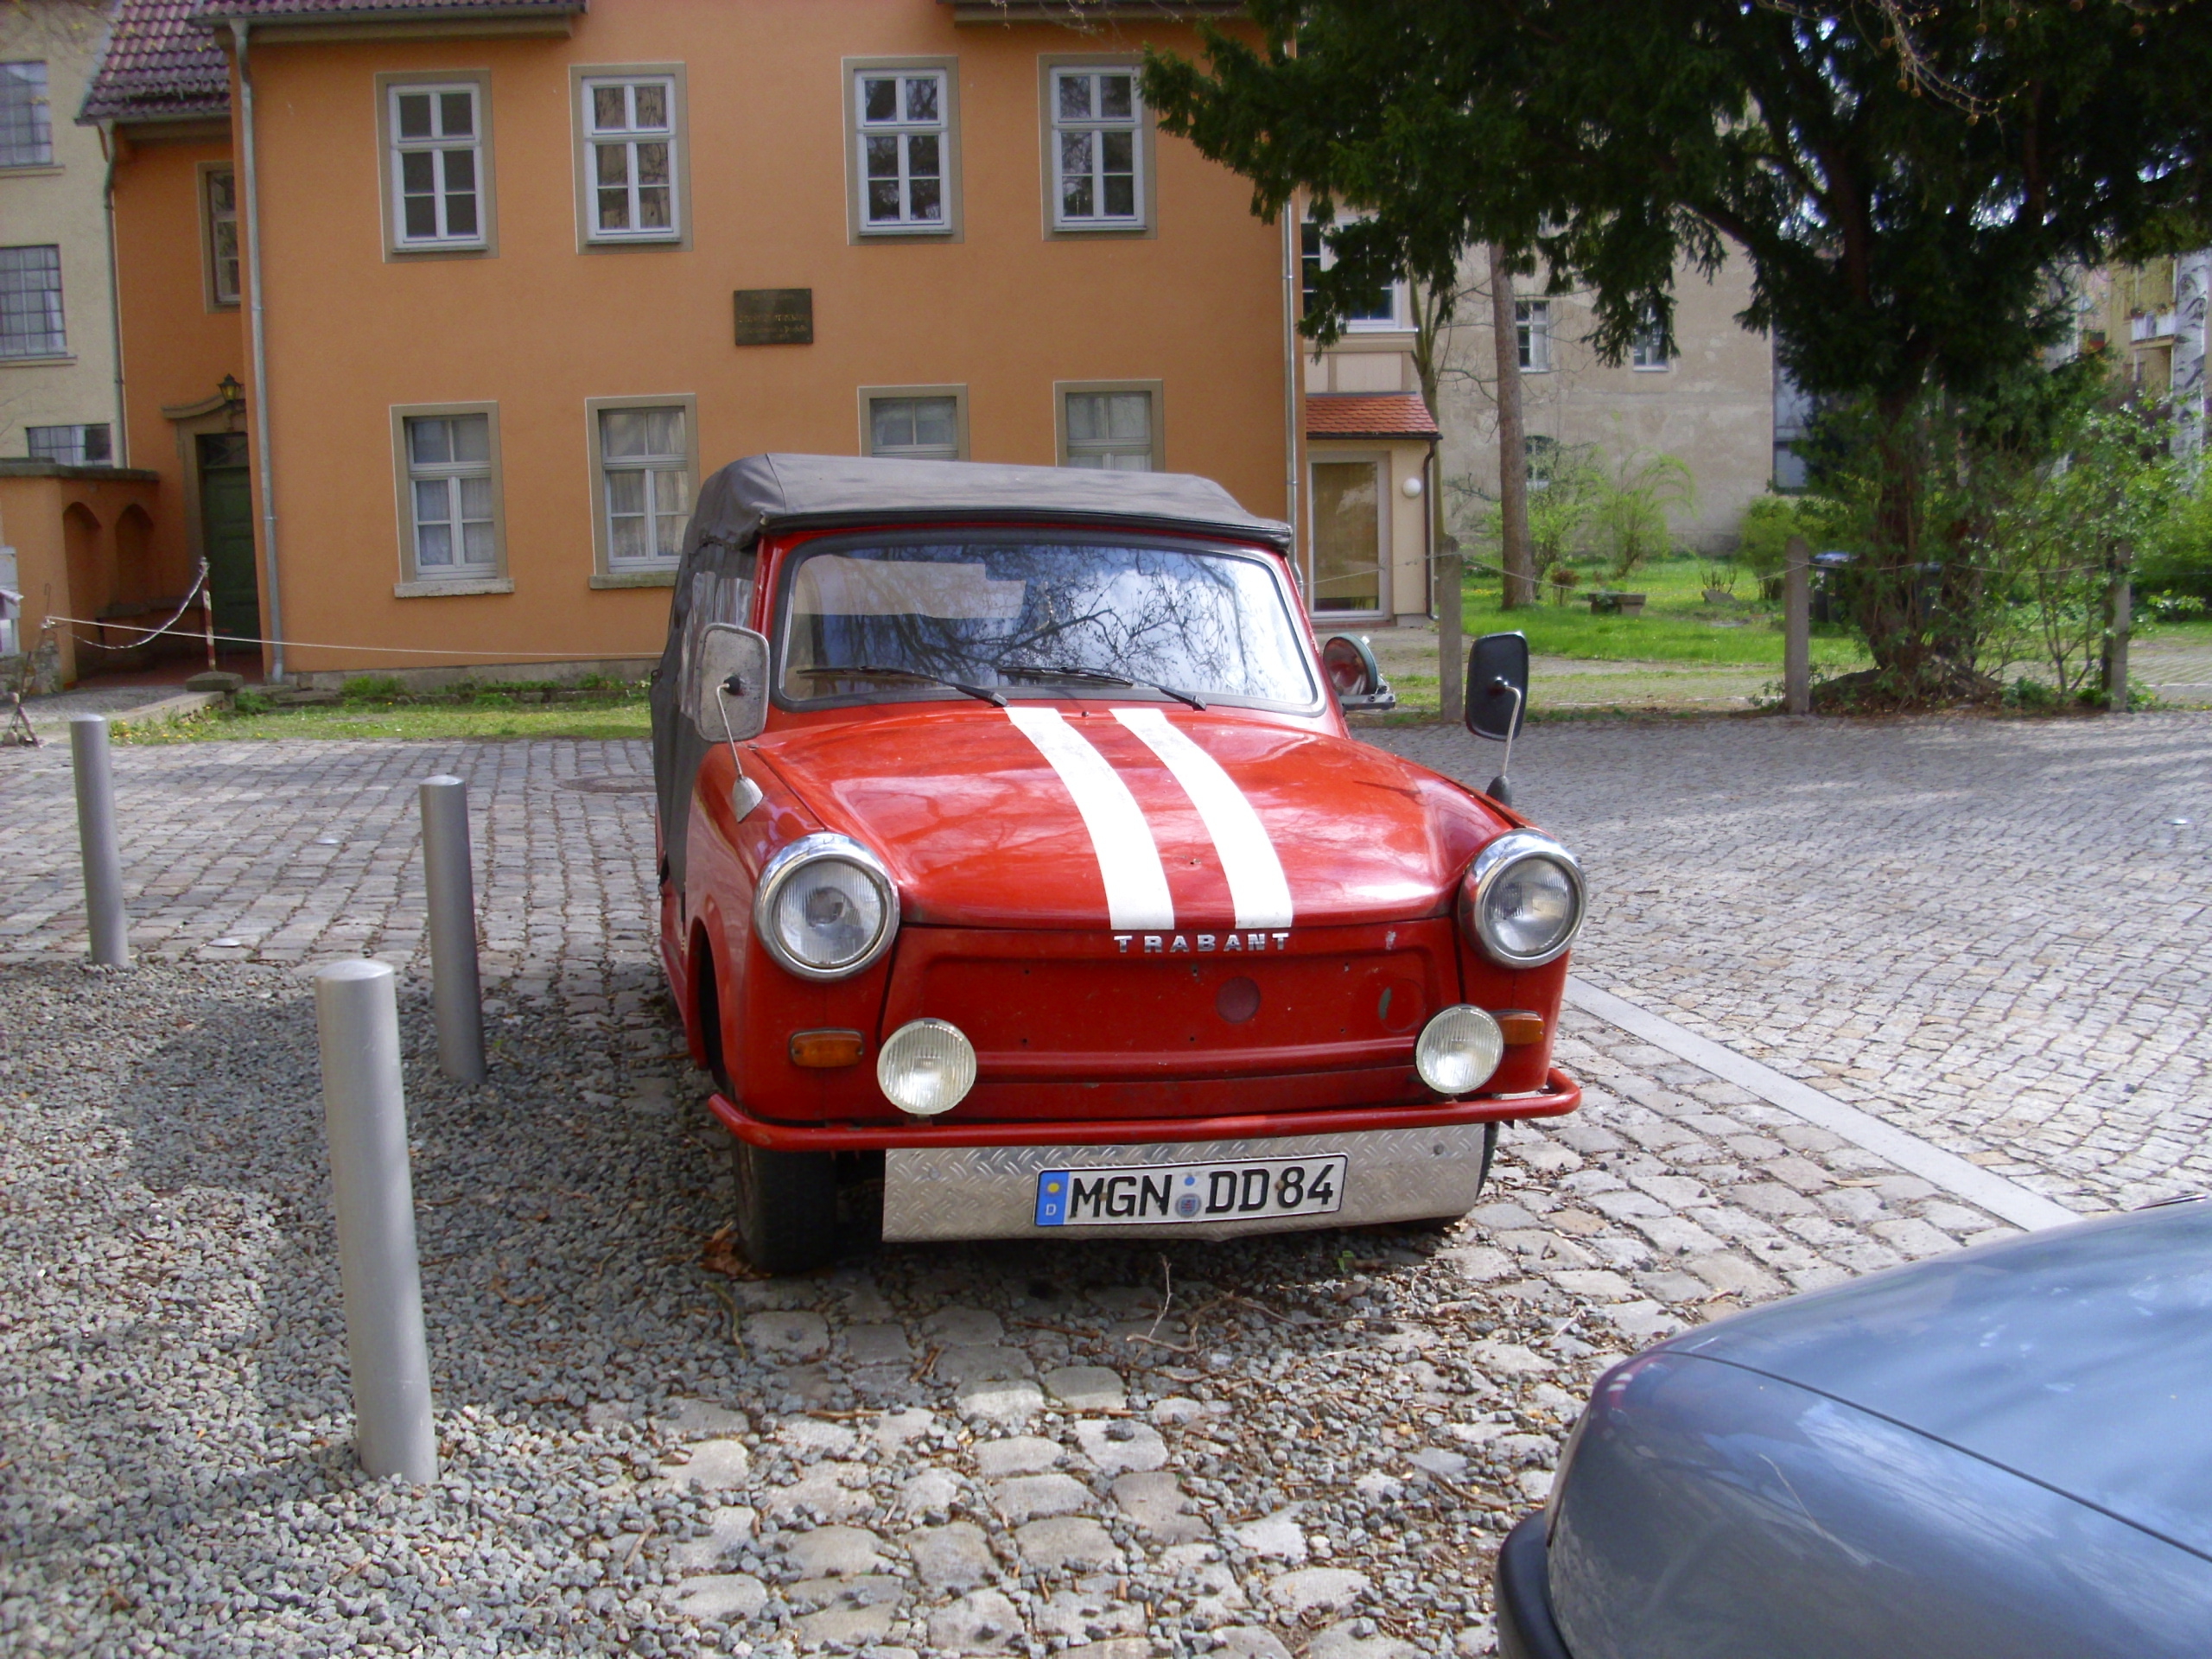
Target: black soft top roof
[{"x": 763, "y": 494}]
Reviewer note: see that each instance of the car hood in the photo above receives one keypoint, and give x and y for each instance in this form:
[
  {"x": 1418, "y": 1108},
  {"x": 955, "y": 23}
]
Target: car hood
[
  {"x": 1134, "y": 818},
  {"x": 2080, "y": 1357}
]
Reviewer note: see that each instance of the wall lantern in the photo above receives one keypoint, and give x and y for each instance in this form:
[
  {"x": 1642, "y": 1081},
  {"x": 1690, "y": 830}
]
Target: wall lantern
[{"x": 232, "y": 392}]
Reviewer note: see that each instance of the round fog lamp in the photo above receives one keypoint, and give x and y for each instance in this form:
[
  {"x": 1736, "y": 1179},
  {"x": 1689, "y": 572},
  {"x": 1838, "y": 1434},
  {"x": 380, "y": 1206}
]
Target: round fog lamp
[
  {"x": 1458, "y": 1050},
  {"x": 927, "y": 1066}
]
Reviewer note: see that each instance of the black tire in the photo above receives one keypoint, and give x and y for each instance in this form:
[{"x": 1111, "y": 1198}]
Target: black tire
[{"x": 786, "y": 1207}]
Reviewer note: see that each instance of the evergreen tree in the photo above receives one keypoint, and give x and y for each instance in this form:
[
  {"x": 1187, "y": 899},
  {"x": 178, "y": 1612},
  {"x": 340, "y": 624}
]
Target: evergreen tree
[{"x": 1907, "y": 179}]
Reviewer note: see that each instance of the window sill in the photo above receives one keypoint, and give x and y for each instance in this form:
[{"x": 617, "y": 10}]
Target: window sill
[
  {"x": 665, "y": 577},
  {"x": 613, "y": 244},
  {"x": 908, "y": 232},
  {"x": 60, "y": 362},
  {"x": 453, "y": 587},
  {"x": 439, "y": 250},
  {"x": 30, "y": 169},
  {"x": 1105, "y": 227}
]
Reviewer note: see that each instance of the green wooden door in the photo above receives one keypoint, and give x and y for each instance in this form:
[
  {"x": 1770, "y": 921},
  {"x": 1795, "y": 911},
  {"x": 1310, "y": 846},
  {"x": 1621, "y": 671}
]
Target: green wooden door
[{"x": 226, "y": 533}]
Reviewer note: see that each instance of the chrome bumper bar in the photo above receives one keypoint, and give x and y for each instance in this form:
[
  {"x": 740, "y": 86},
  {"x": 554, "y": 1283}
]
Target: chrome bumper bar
[{"x": 991, "y": 1192}]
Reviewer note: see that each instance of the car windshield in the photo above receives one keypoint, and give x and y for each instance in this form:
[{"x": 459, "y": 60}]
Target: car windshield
[{"x": 1008, "y": 616}]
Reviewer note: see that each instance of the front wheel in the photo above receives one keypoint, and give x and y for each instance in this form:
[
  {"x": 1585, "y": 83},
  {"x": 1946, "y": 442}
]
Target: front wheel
[{"x": 786, "y": 1207}]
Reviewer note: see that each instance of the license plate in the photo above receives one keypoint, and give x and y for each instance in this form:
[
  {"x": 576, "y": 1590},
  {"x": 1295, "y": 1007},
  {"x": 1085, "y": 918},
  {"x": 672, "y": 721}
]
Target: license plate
[{"x": 1136, "y": 1195}]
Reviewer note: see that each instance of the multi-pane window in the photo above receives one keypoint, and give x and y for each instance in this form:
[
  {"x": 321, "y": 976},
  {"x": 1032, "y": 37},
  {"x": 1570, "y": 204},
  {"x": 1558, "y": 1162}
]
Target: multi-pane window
[
  {"x": 222, "y": 188},
  {"x": 1648, "y": 349},
  {"x": 26, "y": 123},
  {"x": 914, "y": 429},
  {"x": 449, "y": 482},
  {"x": 902, "y": 148},
  {"x": 1532, "y": 327},
  {"x": 437, "y": 154},
  {"x": 630, "y": 133},
  {"x": 30, "y": 303},
  {"x": 73, "y": 446},
  {"x": 647, "y": 468},
  {"x": 1096, "y": 148},
  {"x": 1377, "y": 310},
  {"x": 1109, "y": 430}
]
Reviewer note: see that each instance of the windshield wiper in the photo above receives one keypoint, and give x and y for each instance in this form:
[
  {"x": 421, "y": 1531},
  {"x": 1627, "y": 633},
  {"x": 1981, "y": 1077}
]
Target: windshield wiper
[
  {"x": 875, "y": 671},
  {"x": 1097, "y": 676}
]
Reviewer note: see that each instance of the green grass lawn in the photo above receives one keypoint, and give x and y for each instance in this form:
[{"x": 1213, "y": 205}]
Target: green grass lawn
[
  {"x": 1677, "y": 625},
  {"x": 489, "y": 715}
]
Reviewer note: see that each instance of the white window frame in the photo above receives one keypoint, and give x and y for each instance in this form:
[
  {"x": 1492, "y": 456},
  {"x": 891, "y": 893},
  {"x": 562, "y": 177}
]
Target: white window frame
[
  {"x": 1647, "y": 352},
  {"x": 1155, "y": 450},
  {"x": 956, "y": 394},
  {"x": 593, "y": 140},
  {"x": 397, "y": 147},
  {"x": 211, "y": 219},
  {"x": 1060, "y": 127},
  {"x": 945, "y": 127},
  {"x": 1380, "y": 460},
  {"x": 1398, "y": 321},
  {"x": 462, "y": 575},
  {"x": 1532, "y": 325},
  {"x": 54, "y": 339},
  {"x": 653, "y": 467},
  {"x": 38, "y": 104},
  {"x": 77, "y": 436}
]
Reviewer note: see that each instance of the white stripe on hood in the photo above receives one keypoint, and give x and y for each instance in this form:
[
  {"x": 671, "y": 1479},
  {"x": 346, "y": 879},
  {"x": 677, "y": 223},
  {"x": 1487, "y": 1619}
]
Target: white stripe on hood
[
  {"x": 1129, "y": 859},
  {"x": 1256, "y": 884}
]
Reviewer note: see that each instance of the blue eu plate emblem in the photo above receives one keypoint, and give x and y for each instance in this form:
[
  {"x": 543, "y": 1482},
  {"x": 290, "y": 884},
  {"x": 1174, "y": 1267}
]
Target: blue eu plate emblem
[{"x": 1052, "y": 1199}]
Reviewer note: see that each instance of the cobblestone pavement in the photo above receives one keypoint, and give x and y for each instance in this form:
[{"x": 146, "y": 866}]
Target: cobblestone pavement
[
  {"x": 1994, "y": 934},
  {"x": 1307, "y": 1443}
]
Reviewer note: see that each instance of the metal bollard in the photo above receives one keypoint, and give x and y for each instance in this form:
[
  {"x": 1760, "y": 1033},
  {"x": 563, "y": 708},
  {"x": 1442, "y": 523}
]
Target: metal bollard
[
  {"x": 457, "y": 996},
  {"x": 88, "y": 756},
  {"x": 365, "y": 1113}
]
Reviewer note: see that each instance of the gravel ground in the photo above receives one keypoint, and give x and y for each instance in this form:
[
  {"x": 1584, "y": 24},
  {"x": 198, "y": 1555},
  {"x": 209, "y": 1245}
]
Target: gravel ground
[{"x": 997, "y": 1448}]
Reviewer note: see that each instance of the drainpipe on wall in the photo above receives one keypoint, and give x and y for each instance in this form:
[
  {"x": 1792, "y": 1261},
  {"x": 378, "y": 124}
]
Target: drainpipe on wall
[
  {"x": 112, "y": 148},
  {"x": 260, "y": 365},
  {"x": 1290, "y": 378}
]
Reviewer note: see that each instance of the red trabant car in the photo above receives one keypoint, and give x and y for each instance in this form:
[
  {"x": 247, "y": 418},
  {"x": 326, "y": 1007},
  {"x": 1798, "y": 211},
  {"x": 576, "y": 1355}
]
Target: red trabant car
[{"x": 1013, "y": 850}]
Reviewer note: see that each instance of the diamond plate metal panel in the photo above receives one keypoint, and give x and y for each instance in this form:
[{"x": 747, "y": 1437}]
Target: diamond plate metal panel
[{"x": 991, "y": 1192}]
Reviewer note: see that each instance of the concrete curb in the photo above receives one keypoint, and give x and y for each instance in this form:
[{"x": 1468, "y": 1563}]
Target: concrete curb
[{"x": 1970, "y": 1182}]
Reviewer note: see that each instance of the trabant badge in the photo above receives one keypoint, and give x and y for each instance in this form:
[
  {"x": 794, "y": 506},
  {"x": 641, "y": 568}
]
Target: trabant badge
[{"x": 1185, "y": 944}]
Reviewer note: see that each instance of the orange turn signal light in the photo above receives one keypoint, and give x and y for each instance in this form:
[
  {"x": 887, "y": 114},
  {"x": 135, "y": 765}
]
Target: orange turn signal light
[
  {"x": 823, "y": 1050},
  {"x": 1519, "y": 1027}
]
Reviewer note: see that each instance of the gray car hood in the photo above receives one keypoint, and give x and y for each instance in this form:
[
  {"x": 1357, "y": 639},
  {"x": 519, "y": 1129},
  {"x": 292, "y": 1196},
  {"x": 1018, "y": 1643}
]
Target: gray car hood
[{"x": 2080, "y": 1358}]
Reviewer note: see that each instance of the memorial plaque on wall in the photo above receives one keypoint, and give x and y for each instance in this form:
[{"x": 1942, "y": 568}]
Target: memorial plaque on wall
[{"x": 775, "y": 316}]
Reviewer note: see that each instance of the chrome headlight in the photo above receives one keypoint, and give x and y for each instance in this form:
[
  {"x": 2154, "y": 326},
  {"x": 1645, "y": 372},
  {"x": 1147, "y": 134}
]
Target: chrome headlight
[
  {"x": 826, "y": 908},
  {"x": 1458, "y": 1050},
  {"x": 1522, "y": 901},
  {"x": 925, "y": 1067}
]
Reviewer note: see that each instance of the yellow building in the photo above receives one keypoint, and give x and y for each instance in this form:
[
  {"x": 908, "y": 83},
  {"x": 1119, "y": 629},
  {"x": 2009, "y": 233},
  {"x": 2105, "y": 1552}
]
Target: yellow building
[{"x": 528, "y": 269}]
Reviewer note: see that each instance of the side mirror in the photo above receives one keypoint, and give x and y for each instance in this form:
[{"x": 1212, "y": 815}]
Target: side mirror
[
  {"x": 1355, "y": 675},
  {"x": 1498, "y": 686},
  {"x": 725, "y": 688}
]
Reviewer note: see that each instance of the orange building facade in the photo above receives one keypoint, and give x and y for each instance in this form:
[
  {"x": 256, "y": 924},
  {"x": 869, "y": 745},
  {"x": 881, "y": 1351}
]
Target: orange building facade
[{"x": 529, "y": 269}]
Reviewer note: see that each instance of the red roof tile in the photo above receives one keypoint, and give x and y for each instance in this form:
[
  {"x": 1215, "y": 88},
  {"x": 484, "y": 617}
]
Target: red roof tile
[
  {"x": 163, "y": 58},
  {"x": 1368, "y": 415},
  {"x": 358, "y": 10},
  {"x": 156, "y": 65}
]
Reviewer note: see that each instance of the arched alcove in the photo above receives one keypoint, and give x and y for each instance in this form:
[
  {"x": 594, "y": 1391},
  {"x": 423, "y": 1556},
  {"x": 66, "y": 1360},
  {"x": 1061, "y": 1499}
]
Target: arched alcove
[
  {"x": 133, "y": 557},
  {"x": 90, "y": 590}
]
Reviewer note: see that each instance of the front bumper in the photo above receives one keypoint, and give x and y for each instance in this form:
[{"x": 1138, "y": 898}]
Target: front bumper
[
  {"x": 1526, "y": 1629},
  {"x": 945, "y": 1192}
]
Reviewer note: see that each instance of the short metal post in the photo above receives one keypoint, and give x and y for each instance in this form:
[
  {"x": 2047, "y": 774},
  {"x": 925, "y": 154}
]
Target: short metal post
[
  {"x": 364, "y": 1112},
  {"x": 1797, "y": 627},
  {"x": 96, "y": 842},
  {"x": 457, "y": 996}
]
